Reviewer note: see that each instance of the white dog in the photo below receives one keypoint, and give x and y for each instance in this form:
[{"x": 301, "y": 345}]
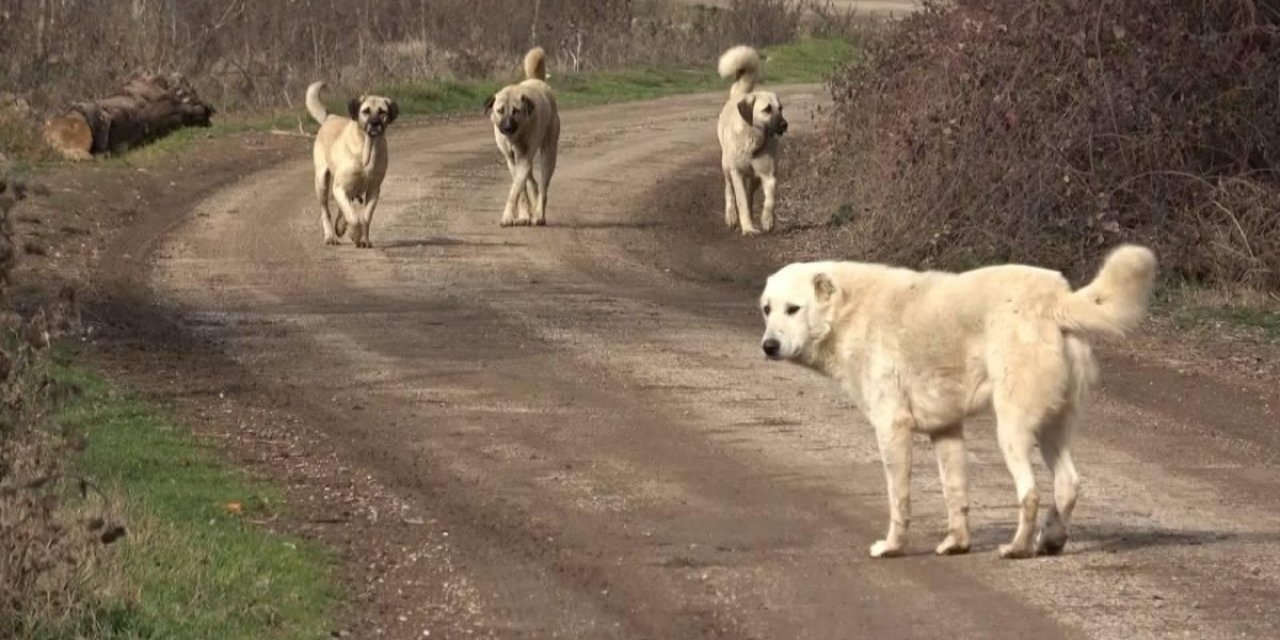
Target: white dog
[
  {"x": 526, "y": 126},
  {"x": 750, "y": 124},
  {"x": 921, "y": 351}
]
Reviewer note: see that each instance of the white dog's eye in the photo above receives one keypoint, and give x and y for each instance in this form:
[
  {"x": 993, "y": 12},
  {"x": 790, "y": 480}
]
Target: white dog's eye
[
  {"x": 792, "y": 309},
  {"x": 766, "y": 309}
]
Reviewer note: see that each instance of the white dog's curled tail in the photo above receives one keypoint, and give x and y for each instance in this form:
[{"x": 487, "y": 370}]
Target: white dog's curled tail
[
  {"x": 535, "y": 64},
  {"x": 1115, "y": 302},
  {"x": 742, "y": 65},
  {"x": 314, "y": 106}
]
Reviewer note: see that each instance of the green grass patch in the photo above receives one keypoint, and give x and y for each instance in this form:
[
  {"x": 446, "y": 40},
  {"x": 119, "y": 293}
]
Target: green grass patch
[
  {"x": 1195, "y": 309},
  {"x": 189, "y": 567},
  {"x": 805, "y": 61}
]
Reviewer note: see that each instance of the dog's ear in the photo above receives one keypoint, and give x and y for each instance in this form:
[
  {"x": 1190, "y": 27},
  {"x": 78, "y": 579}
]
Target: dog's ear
[
  {"x": 393, "y": 111},
  {"x": 823, "y": 287},
  {"x": 488, "y": 104},
  {"x": 744, "y": 108},
  {"x": 528, "y": 104},
  {"x": 353, "y": 108}
]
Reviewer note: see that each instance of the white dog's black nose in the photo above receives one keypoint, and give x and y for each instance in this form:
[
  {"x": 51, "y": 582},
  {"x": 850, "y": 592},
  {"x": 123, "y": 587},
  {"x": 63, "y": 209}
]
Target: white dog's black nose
[{"x": 771, "y": 347}]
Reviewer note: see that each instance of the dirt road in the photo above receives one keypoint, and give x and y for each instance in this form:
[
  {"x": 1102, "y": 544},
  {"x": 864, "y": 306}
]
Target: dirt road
[{"x": 584, "y": 442}]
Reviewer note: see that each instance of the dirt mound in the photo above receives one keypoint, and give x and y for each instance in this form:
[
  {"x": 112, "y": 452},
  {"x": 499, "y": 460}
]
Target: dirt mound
[{"x": 997, "y": 130}]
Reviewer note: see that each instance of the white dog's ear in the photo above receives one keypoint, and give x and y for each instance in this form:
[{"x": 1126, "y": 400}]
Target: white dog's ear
[
  {"x": 353, "y": 107},
  {"x": 488, "y": 104},
  {"x": 744, "y": 108},
  {"x": 528, "y": 104},
  {"x": 823, "y": 287}
]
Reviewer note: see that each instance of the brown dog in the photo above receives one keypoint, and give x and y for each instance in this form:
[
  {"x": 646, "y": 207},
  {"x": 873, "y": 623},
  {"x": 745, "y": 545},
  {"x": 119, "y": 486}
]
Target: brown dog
[
  {"x": 526, "y": 126},
  {"x": 351, "y": 161}
]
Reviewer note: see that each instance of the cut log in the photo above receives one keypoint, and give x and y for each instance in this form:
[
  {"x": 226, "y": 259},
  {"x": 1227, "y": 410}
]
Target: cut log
[{"x": 147, "y": 107}]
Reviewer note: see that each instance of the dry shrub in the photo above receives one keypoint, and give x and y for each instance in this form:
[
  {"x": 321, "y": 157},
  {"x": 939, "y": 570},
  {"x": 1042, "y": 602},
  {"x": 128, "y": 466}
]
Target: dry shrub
[
  {"x": 49, "y": 536},
  {"x": 1049, "y": 131}
]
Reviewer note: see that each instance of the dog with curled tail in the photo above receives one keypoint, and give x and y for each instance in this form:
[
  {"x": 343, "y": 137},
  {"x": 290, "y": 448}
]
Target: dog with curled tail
[
  {"x": 350, "y": 156},
  {"x": 526, "y": 126},
  {"x": 750, "y": 124}
]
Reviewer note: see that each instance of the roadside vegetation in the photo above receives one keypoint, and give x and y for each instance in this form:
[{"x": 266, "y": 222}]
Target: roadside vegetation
[
  {"x": 981, "y": 131},
  {"x": 116, "y": 522}
]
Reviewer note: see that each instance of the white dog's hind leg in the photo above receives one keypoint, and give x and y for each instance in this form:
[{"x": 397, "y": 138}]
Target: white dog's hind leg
[
  {"x": 546, "y": 169},
  {"x": 1054, "y": 446},
  {"x": 893, "y": 432},
  {"x": 952, "y": 469},
  {"x": 743, "y": 201},
  {"x": 530, "y": 200},
  {"x": 769, "y": 183},
  {"x": 1015, "y": 430}
]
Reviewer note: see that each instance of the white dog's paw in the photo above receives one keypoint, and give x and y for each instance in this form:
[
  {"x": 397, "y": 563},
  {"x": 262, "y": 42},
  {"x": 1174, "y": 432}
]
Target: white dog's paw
[
  {"x": 506, "y": 221},
  {"x": 1014, "y": 552},
  {"x": 952, "y": 547},
  {"x": 331, "y": 240},
  {"x": 750, "y": 231},
  {"x": 766, "y": 225},
  {"x": 882, "y": 549}
]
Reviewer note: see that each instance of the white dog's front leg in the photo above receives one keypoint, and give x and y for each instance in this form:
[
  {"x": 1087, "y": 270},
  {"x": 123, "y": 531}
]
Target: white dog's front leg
[
  {"x": 769, "y": 184},
  {"x": 743, "y": 200},
  {"x": 349, "y": 214},
  {"x": 518, "y": 180},
  {"x": 893, "y": 432},
  {"x": 366, "y": 216},
  {"x": 730, "y": 210}
]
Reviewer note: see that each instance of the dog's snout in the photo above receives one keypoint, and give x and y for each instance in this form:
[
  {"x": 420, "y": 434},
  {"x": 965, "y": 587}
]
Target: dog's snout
[
  {"x": 507, "y": 126},
  {"x": 781, "y": 126},
  {"x": 771, "y": 347}
]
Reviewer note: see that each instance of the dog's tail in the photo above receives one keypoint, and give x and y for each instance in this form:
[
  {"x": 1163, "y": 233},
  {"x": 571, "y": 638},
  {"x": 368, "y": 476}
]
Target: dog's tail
[
  {"x": 1116, "y": 300},
  {"x": 535, "y": 64},
  {"x": 314, "y": 106},
  {"x": 742, "y": 64}
]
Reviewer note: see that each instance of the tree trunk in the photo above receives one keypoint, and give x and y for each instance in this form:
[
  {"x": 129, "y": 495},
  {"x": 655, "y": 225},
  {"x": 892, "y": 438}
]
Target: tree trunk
[{"x": 147, "y": 107}]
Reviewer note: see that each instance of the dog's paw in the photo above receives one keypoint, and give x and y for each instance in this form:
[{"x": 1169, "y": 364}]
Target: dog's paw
[
  {"x": 766, "y": 226},
  {"x": 364, "y": 244},
  {"x": 1013, "y": 552},
  {"x": 506, "y": 222},
  {"x": 750, "y": 231},
  {"x": 882, "y": 549},
  {"x": 952, "y": 547},
  {"x": 523, "y": 222},
  {"x": 541, "y": 222},
  {"x": 331, "y": 240}
]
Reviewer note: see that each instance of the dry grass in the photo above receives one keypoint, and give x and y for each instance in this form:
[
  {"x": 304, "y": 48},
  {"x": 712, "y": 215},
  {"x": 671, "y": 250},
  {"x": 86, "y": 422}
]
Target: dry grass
[{"x": 1047, "y": 132}]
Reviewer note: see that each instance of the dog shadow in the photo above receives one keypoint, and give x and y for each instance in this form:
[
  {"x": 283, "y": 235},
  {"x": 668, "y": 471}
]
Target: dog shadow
[
  {"x": 440, "y": 241},
  {"x": 1111, "y": 538},
  {"x": 617, "y": 225}
]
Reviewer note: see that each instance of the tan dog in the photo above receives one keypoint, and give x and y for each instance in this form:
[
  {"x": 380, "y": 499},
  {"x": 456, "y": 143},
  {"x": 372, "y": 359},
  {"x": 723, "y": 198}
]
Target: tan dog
[
  {"x": 921, "y": 351},
  {"x": 351, "y": 161},
  {"x": 526, "y": 126},
  {"x": 750, "y": 124}
]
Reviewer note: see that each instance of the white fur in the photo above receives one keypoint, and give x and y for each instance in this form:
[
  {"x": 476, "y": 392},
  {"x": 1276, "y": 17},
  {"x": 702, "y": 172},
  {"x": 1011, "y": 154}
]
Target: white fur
[{"x": 921, "y": 351}]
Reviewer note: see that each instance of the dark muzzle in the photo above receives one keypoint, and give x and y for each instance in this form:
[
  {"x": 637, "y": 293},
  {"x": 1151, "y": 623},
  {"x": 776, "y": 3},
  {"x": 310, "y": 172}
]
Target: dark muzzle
[
  {"x": 374, "y": 127},
  {"x": 507, "y": 126},
  {"x": 777, "y": 126}
]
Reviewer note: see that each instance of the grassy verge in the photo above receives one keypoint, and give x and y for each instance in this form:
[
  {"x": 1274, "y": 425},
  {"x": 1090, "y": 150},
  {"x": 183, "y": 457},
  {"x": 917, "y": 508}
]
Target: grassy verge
[
  {"x": 805, "y": 61},
  {"x": 192, "y": 565},
  {"x": 1199, "y": 309}
]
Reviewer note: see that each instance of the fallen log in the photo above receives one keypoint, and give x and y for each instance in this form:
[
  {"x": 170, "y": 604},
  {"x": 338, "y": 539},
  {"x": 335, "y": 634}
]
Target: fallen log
[{"x": 147, "y": 107}]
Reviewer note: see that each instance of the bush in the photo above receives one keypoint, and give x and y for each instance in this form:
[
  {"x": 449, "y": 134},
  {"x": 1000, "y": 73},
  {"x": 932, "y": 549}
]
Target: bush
[
  {"x": 48, "y": 539},
  {"x": 1048, "y": 132}
]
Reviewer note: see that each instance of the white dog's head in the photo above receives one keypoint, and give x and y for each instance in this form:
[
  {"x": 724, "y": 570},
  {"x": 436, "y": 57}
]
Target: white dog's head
[
  {"x": 763, "y": 110},
  {"x": 373, "y": 113},
  {"x": 798, "y": 304},
  {"x": 509, "y": 109}
]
